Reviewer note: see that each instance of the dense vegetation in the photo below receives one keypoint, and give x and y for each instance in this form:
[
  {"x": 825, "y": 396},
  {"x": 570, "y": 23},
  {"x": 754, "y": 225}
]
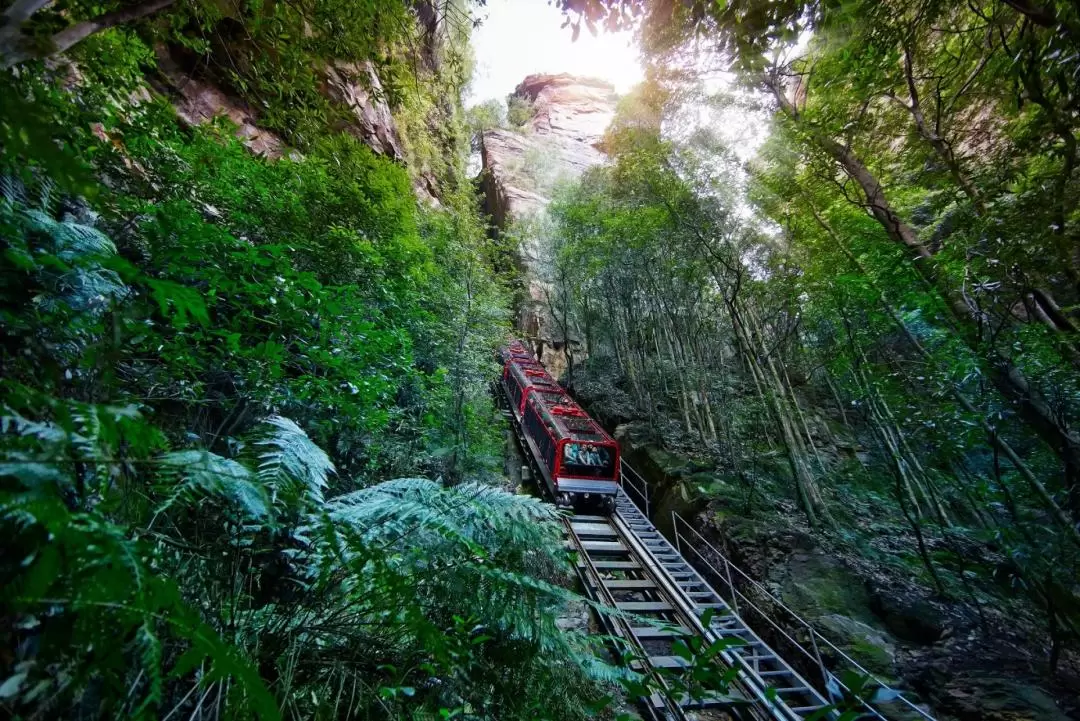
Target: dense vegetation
[
  {"x": 250, "y": 464},
  {"x": 895, "y": 269},
  {"x": 250, "y": 460}
]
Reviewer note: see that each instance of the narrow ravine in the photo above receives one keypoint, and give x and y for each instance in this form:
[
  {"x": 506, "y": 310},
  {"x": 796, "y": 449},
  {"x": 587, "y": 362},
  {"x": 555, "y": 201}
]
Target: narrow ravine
[{"x": 814, "y": 266}]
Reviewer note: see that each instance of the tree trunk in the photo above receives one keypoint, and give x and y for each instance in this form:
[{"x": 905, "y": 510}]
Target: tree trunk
[
  {"x": 996, "y": 441},
  {"x": 931, "y": 135},
  {"x": 69, "y": 37},
  {"x": 1003, "y": 373},
  {"x": 806, "y": 487}
]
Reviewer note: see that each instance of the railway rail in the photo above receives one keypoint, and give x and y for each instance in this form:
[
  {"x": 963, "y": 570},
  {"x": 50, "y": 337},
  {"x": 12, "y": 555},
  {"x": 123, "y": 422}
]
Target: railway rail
[{"x": 625, "y": 563}]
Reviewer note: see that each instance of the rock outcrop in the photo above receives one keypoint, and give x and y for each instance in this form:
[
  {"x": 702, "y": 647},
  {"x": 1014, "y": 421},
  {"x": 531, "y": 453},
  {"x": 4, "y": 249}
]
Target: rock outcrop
[
  {"x": 359, "y": 89},
  {"x": 521, "y": 169},
  {"x": 356, "y": 88},
  {"x": 198, "y": 101}
]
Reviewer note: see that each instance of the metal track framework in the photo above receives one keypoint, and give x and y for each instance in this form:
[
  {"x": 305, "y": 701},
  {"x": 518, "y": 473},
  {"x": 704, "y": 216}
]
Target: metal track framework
[
  {"x": 625, "y": 563},
  {"x": 642, "y": 573}
]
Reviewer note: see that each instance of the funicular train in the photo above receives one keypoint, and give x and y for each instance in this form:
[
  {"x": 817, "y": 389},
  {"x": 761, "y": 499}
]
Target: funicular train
[{"x": 578, "y": 460}]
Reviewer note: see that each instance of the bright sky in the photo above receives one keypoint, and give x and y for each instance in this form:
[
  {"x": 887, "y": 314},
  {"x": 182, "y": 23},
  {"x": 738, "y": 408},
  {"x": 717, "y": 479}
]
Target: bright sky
[{"x": 521, "y": 37}]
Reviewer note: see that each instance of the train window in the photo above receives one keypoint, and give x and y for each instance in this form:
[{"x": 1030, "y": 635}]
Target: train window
[{"x": 588, "y": 459}]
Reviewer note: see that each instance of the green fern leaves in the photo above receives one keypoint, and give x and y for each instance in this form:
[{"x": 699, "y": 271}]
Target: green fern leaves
[
  {"x": 205, "y": 474},
  {"x": 291, "y": 465}
]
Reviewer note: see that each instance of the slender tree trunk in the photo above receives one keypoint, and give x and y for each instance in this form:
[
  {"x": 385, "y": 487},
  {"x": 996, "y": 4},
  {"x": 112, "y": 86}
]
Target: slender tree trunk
[
  {"x": 14, "y": 17},
  {"x": 805, "y": 485},
  {"x": 996, "y": 441},
  {"x": 836, "y": 397},
  {"x": 684, "y": 403},
  {"x": 1004, "y": 374},
  {"x": 931, "y": 135}
]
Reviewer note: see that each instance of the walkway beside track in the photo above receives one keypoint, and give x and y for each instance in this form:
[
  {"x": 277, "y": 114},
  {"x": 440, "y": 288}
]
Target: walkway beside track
[{"x": 625, "y": 563}]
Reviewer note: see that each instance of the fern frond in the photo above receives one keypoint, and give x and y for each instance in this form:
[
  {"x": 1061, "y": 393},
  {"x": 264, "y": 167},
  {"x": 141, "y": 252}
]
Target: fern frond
[
  {"x": 89, "y": 290},
  {"x": 391, "y": 512},
  {"x": 47, "y": 434},
  {"x": 38, "y": 221},
  {"x": 205, "y": 473},
  {"x": 46, "y": 196},
  {"x": 293, "y": 460},
  {"x": 12, "y": 190},
  {"x": 33, "y": 473},
  {"x": 74, "y": 242},
  {"x": 150, "y": 656}
]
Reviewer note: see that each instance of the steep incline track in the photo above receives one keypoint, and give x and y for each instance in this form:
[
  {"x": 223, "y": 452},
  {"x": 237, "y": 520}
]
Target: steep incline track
[{"x": 625, "y": 563}]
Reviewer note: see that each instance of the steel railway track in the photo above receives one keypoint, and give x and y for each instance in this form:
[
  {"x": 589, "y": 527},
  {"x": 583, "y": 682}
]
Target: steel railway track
[{"x": 625, "y": 563}]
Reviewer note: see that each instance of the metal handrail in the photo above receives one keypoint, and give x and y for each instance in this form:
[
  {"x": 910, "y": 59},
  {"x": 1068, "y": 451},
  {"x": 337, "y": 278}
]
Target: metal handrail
[
  {"x": 815, "y": 637},
  {"x": 640, "y": 487}
]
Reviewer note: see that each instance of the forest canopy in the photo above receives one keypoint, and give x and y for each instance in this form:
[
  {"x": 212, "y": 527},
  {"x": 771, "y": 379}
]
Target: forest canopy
[
  {"x": 897, "y": 264},
  {"x": 250, "y": 462}
]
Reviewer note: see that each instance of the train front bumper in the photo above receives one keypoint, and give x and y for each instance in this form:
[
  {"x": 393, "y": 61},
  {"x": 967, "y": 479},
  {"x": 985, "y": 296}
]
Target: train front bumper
[{"x": 580, "y": 485}]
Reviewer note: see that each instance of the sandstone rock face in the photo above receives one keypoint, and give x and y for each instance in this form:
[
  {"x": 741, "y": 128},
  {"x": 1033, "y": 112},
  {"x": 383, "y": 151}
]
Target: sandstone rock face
[
  {"x": 371, "y": 121},
  {"x": 573, "y": 109},
  {"x": 520, "y": 171},
  {"x": 359, "y": 89},
  {"x": 198, "y": 101}
]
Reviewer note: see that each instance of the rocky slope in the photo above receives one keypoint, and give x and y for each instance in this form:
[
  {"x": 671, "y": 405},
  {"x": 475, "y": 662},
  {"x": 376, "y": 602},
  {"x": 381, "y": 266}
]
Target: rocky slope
[{"x": 520, "y": 171}]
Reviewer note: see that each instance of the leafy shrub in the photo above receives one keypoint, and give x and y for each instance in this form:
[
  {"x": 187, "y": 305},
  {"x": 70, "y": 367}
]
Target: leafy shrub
[{"x": 519, "y": 111}]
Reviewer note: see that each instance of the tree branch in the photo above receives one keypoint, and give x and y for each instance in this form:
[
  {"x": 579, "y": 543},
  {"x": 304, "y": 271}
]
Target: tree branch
[
  {"x": 69, "y": 37},
  {"x": 13, "y": 20}
]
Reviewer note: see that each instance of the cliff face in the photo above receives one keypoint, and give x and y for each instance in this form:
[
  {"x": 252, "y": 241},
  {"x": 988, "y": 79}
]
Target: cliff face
[
  {"x": 520, "y": 170},
  {"x": 356, "y": 88}
]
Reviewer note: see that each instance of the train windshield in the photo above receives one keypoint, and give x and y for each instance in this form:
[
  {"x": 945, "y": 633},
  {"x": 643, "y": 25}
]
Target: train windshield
[{"x": 589, "y": 460}]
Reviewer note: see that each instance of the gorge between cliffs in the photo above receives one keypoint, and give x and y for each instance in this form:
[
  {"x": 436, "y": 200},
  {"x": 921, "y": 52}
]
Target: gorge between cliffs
[{"x": 815, "y": 268}]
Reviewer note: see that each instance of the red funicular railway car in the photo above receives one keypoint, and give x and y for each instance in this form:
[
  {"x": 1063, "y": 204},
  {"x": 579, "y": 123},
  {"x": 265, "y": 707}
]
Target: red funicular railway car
[
  {"x": 578, "y": 460},
  {"x": 517, "y": 350}
]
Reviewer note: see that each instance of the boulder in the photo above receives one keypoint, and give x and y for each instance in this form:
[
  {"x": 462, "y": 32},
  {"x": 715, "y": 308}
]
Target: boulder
[
  {"x": 991, "y": 697},
  {"x": 868, "y": 645},
  {"x": 913, "y": 619}
]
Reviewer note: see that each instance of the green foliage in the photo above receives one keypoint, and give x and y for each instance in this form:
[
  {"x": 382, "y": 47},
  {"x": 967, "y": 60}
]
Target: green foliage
[
  {"x": 905, "y": 283},
  {"x": 354, "y": 556},
  {"x": 519, "y": 111},
  {"x": 210, "y": 362},
  {"x": 487, "y": 115}
]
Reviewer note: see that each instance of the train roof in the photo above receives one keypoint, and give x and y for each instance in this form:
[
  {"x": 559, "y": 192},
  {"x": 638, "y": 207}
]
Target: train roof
[
  {"x": 567, "y": 418},
  {"x": 533, "y": 374},
  {"x": 515, "y": 350},
  {"x": 560, "y": 411}
]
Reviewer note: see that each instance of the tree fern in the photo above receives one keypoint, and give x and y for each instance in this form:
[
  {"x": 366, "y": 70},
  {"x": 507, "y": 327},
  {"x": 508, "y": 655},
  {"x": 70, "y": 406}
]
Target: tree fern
[
  {"x": 292, "y": 465},
  {"x": 12, "y": 190},
  {"x": 202, "y": 473},
  {"x": 65, "y": 260},
  {"x": 90, "y": 577}
]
